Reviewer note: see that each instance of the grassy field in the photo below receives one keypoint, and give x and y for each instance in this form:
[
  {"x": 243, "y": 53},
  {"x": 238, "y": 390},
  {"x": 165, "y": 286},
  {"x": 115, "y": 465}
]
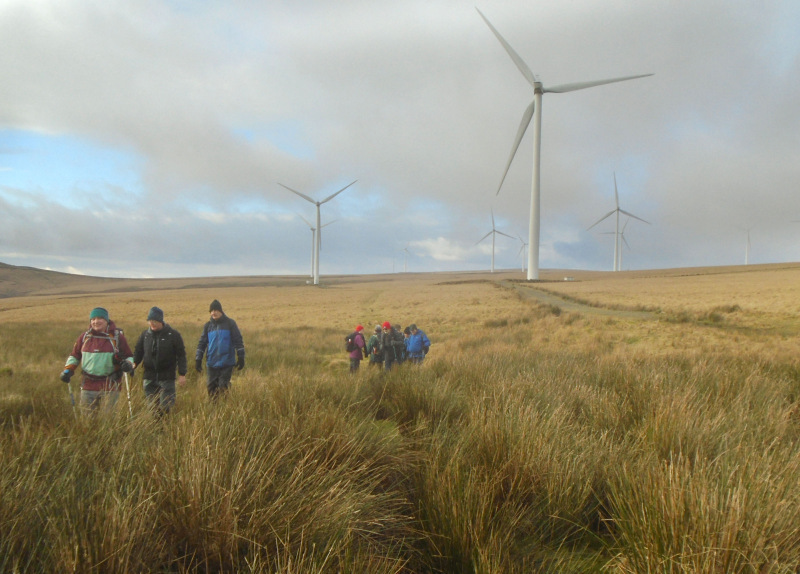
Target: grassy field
[{"x": 630, "y": 422}]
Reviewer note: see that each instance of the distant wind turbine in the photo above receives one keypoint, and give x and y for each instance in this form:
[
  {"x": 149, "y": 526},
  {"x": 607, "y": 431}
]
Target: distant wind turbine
[
  {"x": 625, "y": 241},
  {"x": 405, "y": 259},
  {"x": 493, "y": 233},
  {"x": 313, "y": 239},
  {"x": 747, "y": 248},
  {"x": 534, "y": 111},
  {"x": 318, "y": 242},
  {"x": 617, "y": 233},
  {"x": 522, "y": 254}
]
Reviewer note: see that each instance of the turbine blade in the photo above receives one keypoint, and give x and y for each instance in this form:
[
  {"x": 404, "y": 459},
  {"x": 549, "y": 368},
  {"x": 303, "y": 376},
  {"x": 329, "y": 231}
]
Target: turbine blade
[
  {"x": 506, "y": 234},
  {"x": 493, "y": 219},
  {"x": 327, "y": 224},
  {"x": 632, "y": 215},
  {"x": 616, "y": 194},
  {"x": 337, "y": 193},
  {"x": 522, "y": 66},
  {"x": 609, "y": 214},
  {"x": 523, "y": 125},
  {"x": 306, "y": 220},
  {"x": 484, "y": 237},
  {"x": 303, "y": 195},
  {"x": 564, "y": 88},
  {"x": 626, "y": 242}
]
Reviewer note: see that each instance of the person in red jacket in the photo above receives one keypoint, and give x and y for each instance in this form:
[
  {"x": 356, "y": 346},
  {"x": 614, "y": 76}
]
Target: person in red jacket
[{"x": 103, "y": 355}]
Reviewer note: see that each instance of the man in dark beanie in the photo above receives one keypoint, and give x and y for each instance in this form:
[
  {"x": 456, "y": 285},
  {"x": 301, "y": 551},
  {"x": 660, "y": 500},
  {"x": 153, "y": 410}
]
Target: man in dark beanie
[
  {"x": 161, "y": 350},
  {"x": 222, "y": 344}
]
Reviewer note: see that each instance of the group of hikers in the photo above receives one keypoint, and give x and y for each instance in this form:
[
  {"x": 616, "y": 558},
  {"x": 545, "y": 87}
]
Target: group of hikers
[
  {"x": 106, "y": 359},
  {"x": 387, "y": 346}
]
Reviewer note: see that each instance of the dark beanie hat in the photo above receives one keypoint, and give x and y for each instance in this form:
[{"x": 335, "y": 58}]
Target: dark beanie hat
[
  {"x": 215, "y": 306},
  {"x": 156, "y": 314},
  {"x": 98, "y": 312}
]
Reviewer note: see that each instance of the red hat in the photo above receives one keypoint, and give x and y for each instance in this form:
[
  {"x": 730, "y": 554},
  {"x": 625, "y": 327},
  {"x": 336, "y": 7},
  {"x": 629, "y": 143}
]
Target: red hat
[
  {"x": 359, "y": 328},
  {"x": 386, "y": 325}
]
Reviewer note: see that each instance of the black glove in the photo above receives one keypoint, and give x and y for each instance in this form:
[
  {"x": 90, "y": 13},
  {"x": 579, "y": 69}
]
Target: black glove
[
  {"x": 198, "y": 364},
  {"x": 126, "y": 367},
  {"x": 425, "y": 350},
  {"x": 239, "y": 361},
  {"x": 66, "y": 375}
]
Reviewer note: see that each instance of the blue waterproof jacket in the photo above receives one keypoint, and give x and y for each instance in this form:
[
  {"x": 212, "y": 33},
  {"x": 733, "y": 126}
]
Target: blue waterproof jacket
[
  {"x": 221, "y": 341},
  {"x": 417, "y": 343}
]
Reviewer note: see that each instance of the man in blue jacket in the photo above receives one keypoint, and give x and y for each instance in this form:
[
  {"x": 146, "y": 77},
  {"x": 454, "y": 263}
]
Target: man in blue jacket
[
  {"x": 417, "y": 344},
  {"x": 222, "y": 344}
]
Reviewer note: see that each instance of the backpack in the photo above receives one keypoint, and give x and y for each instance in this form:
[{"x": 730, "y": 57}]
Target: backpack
[{"x": 350, "y": 342}]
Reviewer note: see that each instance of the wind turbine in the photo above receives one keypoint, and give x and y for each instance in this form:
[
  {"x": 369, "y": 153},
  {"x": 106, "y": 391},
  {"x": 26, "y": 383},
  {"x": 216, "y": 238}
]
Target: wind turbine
[
  {"x": 621, "y": 234},
  {"x": 318, "y": 242},
  {"x": 534, "y": 110},
  {"x": 521, "y": 254},
  {"x": 493, "y": 233},
  {"x": 747, "y": 248},
  {"x": 617, "y": 233},
  {"x": 405, "y": 259},
  {"x": 313, "y": 239}
]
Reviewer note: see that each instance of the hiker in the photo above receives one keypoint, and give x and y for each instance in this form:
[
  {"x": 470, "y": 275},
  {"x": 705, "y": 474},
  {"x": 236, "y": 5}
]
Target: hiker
[
  {"x": 392, "y": 346},
  {"x": 374, "y": 348},
  {"x": 225, "y": 349},
  {"x": 356, "y": 347},
  {"x": 104, "y": 355},
  {"x": 161, "y": 351},
  {"x": 417, "y": 344}
]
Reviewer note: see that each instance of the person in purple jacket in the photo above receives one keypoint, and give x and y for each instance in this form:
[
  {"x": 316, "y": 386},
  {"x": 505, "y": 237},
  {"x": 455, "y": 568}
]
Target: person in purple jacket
[{"x": 358, "y": 351}]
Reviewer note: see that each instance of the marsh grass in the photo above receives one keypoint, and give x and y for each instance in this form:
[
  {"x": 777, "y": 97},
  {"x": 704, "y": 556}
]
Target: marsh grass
[{"x": 529, "y": 441}]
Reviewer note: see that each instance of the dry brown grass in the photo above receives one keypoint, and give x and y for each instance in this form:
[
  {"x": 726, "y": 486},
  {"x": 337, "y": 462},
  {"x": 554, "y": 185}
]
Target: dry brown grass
[{"x": 536, "y": 438}]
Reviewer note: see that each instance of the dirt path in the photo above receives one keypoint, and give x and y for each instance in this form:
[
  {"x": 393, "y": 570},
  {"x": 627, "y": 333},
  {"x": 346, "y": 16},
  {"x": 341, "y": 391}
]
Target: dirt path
[{"x": 529, "y": 291}]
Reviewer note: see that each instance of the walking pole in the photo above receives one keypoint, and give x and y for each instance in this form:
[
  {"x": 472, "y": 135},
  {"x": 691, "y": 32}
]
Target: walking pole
[
  {"x": 72, "y": 399},
  {"x": 128, "y": 389}
]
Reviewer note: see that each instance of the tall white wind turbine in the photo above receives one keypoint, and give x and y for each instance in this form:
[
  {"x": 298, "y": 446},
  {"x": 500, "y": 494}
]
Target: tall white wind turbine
[
  {"x": 534, "y": 110},
  {"x": 493, "y": 233},
  {"x": 617, "y": 234},
  {"x": 318, "y": 241}
]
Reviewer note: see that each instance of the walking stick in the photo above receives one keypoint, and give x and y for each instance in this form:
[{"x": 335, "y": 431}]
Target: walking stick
[
  {"x": 72, "y": 399},
  {"x": 128, "y": 389}
]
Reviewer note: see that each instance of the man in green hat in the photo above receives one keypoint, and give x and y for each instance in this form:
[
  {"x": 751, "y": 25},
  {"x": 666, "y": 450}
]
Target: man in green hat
[{"x": 103, "y": 355}]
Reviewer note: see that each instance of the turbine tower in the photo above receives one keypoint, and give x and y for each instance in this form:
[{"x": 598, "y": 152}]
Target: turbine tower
[
  {"x": 534, "y": 110},
  {"x": 617, "y": 233},
  {"x": 318, "y": 242},
  {"x": 747, "y": 248},
  {"x": 493, "y": 233},
  {"x": 313, "y": 239}
]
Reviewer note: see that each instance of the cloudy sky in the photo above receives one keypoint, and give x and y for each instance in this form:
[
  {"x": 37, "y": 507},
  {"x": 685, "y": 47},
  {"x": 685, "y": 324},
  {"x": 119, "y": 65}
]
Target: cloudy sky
[{"x": 149, "y": 137}]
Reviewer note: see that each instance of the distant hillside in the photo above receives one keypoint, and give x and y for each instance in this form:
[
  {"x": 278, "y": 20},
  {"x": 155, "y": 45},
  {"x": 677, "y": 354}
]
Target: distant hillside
[
  {"x": 19, "y": 281},
  {"x": 24, "y": 281}
]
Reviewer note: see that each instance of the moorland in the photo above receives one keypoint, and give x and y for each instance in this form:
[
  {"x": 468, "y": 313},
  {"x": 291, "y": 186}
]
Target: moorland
[{"x": 642, "y": 421}]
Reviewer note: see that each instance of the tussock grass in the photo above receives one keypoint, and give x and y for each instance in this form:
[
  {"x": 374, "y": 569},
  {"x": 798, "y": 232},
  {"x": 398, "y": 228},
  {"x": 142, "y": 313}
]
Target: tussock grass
[{"x": 529, "y": 441}]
